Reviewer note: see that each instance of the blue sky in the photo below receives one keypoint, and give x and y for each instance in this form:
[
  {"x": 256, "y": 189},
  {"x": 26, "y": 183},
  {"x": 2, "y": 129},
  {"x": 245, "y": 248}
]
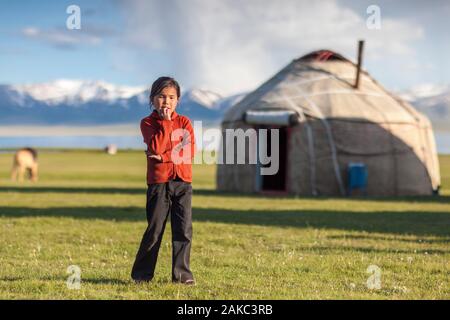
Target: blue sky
[{"x": 224, "y": 45}]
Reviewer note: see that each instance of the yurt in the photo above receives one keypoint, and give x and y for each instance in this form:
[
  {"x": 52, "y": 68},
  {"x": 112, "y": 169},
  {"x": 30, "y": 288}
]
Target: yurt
[{"x": 331, "y": 116}]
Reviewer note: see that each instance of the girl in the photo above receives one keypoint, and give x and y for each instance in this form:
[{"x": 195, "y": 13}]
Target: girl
[{"x": 170, "y": 150}]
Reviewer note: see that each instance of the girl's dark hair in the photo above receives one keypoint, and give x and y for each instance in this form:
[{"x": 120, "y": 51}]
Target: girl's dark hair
[{"x": 161, "y": 83}]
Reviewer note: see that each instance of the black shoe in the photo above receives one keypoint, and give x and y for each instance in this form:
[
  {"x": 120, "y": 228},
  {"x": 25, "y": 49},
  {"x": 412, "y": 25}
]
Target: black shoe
[
  {"x": 141, "y": 281},
  {"x": 188, "y": 282}
]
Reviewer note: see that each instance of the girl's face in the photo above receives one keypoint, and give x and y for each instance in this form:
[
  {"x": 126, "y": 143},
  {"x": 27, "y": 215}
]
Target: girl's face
[{"x": 166, "y": 99}]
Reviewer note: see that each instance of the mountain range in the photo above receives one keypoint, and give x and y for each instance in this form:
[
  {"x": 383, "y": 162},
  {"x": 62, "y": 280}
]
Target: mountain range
[
  {"x": 74, "y": 102},
  {"x": 97, "y": 102},
  {"x": 433, "y": 101}
]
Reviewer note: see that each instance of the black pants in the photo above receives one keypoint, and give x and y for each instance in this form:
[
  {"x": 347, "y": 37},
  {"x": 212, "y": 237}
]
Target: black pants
[{"x": 172, "y": 197}]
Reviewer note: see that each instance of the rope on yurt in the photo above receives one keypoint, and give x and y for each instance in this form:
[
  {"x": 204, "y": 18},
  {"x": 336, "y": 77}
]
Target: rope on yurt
[
  {"x": 235, "y": 167},
  {"x": 435, "y": 176},
  {"x": 373, "y": 94},
  {"x": 412, "y": 112},
  {"x": 309, "y": 134},
  {"x": 422, "y": 143},
  {"x": 302, "y": 82},
  {"x": 329, "y": 135},
  {"x": 312, "y": 157},
  {"x": 429, "y": 163},
  {"x": 332, "y": 145},
  {"x": 391, "y": 142},
  {"x": 425, "y": 145}
]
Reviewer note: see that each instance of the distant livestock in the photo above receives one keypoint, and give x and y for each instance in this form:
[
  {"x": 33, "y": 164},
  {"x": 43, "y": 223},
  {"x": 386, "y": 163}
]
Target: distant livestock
[
  {"x": 25, "y": 160},
  {"x": 111, "y": 149}
]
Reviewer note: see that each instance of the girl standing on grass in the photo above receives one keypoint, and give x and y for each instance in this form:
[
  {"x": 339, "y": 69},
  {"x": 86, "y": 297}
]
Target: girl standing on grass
[{"x": 170, "y": 149}]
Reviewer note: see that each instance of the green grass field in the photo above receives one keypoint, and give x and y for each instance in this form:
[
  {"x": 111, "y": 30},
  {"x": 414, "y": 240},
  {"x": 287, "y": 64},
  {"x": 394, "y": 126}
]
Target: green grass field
[{"x": 88, "y": 209}]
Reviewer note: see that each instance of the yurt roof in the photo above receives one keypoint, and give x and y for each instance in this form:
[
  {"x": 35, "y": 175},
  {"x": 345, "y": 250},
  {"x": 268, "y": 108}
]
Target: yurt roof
[{"x": 321, "y": 85}]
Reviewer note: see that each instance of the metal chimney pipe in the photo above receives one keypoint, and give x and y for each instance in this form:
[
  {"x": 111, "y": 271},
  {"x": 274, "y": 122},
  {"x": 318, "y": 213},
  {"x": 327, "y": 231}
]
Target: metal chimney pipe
[{"x": 358, "y": 68}]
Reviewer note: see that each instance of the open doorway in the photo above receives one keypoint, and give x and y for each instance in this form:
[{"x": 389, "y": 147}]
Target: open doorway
[{"x": 276, "y": 182}]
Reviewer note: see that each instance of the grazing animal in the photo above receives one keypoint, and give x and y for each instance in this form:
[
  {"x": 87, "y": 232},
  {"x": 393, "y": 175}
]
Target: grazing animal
[
  {"x": 25, "y": 159},
  {"x": 111, "y": 149}
]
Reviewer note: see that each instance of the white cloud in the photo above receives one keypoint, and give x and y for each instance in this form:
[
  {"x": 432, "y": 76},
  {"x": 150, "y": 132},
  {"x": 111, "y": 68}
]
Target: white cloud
[
  {"x": 64, "y": 38},
  {"x": 232, "y": 45}
]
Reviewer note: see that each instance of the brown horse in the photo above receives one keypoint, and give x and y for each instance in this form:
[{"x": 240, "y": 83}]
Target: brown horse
[{"x": 25, "y": 159}]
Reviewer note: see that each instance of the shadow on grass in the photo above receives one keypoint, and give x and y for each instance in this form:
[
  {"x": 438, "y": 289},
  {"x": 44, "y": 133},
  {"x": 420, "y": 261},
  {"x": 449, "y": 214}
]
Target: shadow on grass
[
  {"x": 407, "y": 223},
  {"x": 84, "y": 280},
  {"x": 327, "y": 250},
  {"x": 412, "y": 222},
  {"x": 107, "y": 281},
  {"x": 375, "y": 237},
  {"x": 96, "y": 190},
  {"x": 101, "y": 213},
  {"x": 422, "y": 199},
  {"x": 215, "y": 193}
]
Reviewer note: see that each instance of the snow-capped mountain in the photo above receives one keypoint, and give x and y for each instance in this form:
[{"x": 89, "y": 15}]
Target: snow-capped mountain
[
  {"x": 194, "y": 102},
  {"x": 98, "y": 102},
  {"x": 423, "y": 91},
  {"x": 89, "y": 102},
  {"x": 225, "y": 103},
  {"x": 433, "y": 101},
  {"x": 77, "y": 91},
  {"x": 203, "y": 97}
]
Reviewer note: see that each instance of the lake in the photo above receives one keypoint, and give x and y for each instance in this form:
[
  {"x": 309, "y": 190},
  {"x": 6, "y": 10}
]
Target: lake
[{"x": 126, "y": 140}]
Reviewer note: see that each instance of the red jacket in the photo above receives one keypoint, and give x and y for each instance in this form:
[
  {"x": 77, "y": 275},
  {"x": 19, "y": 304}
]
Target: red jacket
[{"x": 174, "y": 141}]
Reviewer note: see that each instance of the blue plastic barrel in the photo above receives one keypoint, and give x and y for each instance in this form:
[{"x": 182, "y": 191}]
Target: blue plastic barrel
[{"x": 357, "y": 177}]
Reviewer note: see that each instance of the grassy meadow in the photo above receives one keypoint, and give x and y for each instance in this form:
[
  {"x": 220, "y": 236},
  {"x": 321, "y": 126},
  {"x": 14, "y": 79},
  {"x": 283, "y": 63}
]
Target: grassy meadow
[{"x": 88, "y": 209}]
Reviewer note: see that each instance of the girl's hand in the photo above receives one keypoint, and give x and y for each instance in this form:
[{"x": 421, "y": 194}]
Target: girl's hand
[
  {"x": 166, "y": 113},
  {"x": 156, "y": 157},
  {"x": 153, "y": 156}
]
